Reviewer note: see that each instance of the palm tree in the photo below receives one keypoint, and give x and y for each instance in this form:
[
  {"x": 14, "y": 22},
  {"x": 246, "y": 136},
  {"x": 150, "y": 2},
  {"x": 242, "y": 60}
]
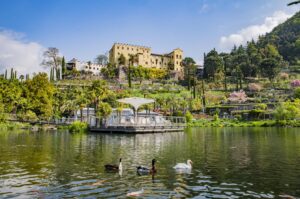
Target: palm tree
[
  {"x": 130, "y": 63},
  {"x": 294, "y": 2}
]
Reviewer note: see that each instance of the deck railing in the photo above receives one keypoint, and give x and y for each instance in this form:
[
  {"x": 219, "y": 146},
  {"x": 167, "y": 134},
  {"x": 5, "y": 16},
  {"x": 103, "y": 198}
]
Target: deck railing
[{"x": 143, "y": 121}]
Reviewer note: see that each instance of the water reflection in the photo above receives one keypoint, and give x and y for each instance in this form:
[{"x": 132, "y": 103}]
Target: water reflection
[{"x": 228, "y": 163}]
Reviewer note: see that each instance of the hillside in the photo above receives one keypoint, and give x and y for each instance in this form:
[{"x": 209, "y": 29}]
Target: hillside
[{"x": 286, "y": 37}]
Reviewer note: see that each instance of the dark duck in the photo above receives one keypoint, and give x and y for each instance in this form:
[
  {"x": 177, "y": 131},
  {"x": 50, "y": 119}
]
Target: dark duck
[
  {"x": 111, "y": 167},
  {"x": 146, "y": 171}
]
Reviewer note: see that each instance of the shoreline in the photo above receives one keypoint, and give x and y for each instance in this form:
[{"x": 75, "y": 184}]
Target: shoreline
[
  {"x": 195, "y": 123},
  {"x": 237, "y": 123}
]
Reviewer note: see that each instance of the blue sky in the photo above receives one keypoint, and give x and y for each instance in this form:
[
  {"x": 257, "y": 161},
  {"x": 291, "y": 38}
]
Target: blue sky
[{"x": 86, "y": 28}]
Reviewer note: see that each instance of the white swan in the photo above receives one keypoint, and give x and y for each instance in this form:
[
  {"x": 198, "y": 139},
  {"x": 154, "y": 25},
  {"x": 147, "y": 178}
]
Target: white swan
[{"x": 183, "y": 165}]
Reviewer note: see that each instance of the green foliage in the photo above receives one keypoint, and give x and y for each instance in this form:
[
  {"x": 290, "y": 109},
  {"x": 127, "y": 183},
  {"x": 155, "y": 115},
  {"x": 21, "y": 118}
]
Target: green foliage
[
  {"x": 2, "y": 113},
  {"x": 189, "y": 70},
  {"x": 78, "y": 127},
  {"x": 104, "y": 110},
  {"x": 141, "y": 73},
  {"x": 297, "y": 93},
  {"x": 213, "y": 64},
  {"x": 261, "y": 106},
  {"x": 288, "y": 110},
  {"x": 63, "y": 67},
  {"x": 39, "y": 95},
  {"x": 188, "y": 117},
  {"x": 110, "y": 71},
  {"x": 216, "y": 117},
  {"x": 28, "y": 116},
  {"x": 285, "y": 37},
  {"x": 122, "y": 60}
]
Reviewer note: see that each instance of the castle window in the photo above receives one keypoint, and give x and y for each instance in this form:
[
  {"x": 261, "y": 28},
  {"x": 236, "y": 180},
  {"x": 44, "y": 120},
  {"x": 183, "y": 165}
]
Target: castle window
[
  {"x": 127, "y": 48},
  {"x": 177, "y": 56},
  {"x": 86, "y": 67},
  {"x": 118, "y": 47},
  {"x": 146, "y": 62}
]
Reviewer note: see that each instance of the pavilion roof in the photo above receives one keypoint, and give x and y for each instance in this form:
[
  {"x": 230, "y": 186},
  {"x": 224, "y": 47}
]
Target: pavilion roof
[{"x": 136, "y": 102}]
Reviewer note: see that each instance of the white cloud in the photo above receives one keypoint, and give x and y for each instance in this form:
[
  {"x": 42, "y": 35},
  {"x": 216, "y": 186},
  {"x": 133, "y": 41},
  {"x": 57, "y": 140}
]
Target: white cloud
[
  {"x": 254, "y": 31},
  {"x": 15, "y": 52}
]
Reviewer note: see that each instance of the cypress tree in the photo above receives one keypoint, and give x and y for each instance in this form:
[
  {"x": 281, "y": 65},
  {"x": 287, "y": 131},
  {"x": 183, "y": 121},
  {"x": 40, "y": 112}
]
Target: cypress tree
[
  {"x": 57, "y": 71},
  {"x": 27, "y": 76},
  {"x": 5, "y": 76},
  {"x": 15, "y": 75},
  {"x": 51, "y": 75},
  {"x": 11, "y": 73},
  {"x": 63, "y": 67}
]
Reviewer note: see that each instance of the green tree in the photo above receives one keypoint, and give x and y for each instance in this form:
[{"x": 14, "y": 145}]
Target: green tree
[
  {"x": 269, "y": 68},
  {"x": 272, "y": 60},
  {"x": 104, "y": 110},
  {"x": 213, "y": 64},
  {"x": 189, "y": 70},
  {"x": 81, "y": 101},
  {"x": 39, "y": 93},
  {"x": 63, "y": 67},
  {"x": 12, "y": 74},
  {"x": 101, "y": 60},
  {"x": 297, "y": 93},
  {"x": 255, "y": 58},
  {"x": 130, "y": 64},
  {"x": 227, "y": 62},
  {"x": 122, "y": 60}
]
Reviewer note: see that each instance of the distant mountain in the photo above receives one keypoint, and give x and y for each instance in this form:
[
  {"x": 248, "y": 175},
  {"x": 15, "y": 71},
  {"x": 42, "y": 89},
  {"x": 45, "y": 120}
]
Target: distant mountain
[{"x": 286, "y": 37}]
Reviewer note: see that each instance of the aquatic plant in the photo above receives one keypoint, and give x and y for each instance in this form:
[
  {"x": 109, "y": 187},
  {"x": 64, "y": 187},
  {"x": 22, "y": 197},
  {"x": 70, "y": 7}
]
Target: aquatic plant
[{"x": 78, "y": 127}]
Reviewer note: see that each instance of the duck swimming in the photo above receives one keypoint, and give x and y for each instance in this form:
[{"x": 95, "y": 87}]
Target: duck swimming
[
  {"x": 183, "y": 165},
  {"x": 110, "y": 167},
  {"x": 146, "y": 171}
]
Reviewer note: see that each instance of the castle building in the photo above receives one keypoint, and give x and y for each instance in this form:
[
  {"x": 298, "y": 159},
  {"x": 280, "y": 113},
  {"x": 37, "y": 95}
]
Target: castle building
[{"x": 143, "y": 56}]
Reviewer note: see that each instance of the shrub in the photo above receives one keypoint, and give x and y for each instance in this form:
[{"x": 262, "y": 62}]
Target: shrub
[
  {"x": 261, "y": 106},
  {"x": 288, "y": 110},
  {"x": 188, "y": 117},
  {"x": 254, "y": 87},
  {"x": 295, "y": 83},
  {"x": 28, "y": 116},
  {"x": 216, "y": 117},
  {"x": 284, "y": 76},
  {"x": 78, "y": 127},
  {"x": 239, "y": 96},
  {"x": 297, "y": 93}
]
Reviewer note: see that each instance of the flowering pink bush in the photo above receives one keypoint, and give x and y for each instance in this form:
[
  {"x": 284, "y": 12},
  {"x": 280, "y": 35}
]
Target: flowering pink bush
[
  {"x": 295, "y": 83},
  {"x": 238, "y": 96},
  {"x": 254, "y": 87}
]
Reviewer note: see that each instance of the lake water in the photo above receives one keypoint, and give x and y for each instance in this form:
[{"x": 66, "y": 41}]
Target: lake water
[{"x": 228, "y": 163}]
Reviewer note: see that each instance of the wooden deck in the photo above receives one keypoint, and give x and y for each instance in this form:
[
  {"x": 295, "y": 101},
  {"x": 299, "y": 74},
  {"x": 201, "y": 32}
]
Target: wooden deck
[{"x": 137, "y": 129}]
